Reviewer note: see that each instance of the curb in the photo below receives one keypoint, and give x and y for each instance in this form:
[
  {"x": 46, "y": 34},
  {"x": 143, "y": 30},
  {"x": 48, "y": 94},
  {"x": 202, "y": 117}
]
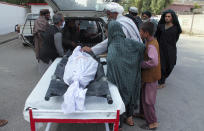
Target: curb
[{"x": 8, "y": 40}]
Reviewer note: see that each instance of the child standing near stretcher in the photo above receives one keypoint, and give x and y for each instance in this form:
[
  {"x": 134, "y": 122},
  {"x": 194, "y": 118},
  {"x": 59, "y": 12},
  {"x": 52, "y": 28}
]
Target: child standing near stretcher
[{"x": 151, "y": 73}]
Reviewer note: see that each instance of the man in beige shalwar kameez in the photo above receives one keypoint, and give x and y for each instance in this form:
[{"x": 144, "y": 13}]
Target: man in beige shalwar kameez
[{"x": 40, "y": 25}]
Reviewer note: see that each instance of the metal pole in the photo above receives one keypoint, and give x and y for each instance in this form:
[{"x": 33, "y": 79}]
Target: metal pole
[
  {"x": 107, "y": 127},
  {"x": 48, "y": 126},
  {"x": 191, "y": 30}
]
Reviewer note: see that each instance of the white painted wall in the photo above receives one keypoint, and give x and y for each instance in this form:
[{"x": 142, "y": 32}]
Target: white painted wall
[
  {"x": 36, "y": 9},
  {"x": 10, "y": 16},
  {"x": 197, "y": 25}
]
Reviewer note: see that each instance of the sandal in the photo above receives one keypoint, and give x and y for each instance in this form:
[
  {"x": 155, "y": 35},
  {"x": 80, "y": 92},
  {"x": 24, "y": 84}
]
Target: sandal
[
  {"x": 130, "y": 121},
  {"x": 146, "y": 127},
  {"x": 161, "y": 86},
  {"x": 3, "y": 122}
]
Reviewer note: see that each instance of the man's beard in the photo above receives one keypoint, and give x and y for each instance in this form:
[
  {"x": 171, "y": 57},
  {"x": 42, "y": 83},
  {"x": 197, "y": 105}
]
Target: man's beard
[{"x": 146, "y": 20}]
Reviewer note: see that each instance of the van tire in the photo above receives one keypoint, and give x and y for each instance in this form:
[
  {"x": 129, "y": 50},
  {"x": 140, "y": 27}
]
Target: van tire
[{"x": 24, "y": 44}]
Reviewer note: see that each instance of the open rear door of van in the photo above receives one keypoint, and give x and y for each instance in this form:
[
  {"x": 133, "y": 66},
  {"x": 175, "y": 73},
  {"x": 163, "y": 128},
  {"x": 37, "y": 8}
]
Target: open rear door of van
[{"x": 79, "y": 8}]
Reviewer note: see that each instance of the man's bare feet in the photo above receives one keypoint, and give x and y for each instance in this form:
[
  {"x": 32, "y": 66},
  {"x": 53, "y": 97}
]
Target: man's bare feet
[
  {"x": 161, "y": 86},
  {"x": 152, "y": 126}
]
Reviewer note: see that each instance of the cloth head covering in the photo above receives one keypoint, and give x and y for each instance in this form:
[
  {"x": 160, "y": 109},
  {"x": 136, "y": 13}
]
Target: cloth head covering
[
  {"x": 44, "y": 12},
  {"x": 114, "y": 30},
  {"x": 133, "y": 9},
  {"x": 174, "y": 17},
  {"x": 114, "y": 7}
]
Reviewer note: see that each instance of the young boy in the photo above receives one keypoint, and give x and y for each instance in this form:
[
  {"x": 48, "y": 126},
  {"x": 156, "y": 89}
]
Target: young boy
[{"x": 151, "y": 73}]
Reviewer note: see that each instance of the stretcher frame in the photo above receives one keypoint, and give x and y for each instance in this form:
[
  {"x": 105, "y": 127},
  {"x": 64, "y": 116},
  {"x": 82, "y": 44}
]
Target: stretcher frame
[
  {"x": 33, "y": 120},
  {"x": 105, "y": 116}
]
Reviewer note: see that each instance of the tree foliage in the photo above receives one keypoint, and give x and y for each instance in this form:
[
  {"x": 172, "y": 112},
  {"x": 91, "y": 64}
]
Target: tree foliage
[
  {"x": 146, "y": 5},
  {"x": 155, "y": 6},
  {"x": 197, "y": 6}
]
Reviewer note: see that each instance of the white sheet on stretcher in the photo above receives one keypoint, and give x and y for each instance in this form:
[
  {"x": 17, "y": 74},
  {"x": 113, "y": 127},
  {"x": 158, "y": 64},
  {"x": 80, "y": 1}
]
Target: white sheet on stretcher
[{"x": 96, "y": 107}]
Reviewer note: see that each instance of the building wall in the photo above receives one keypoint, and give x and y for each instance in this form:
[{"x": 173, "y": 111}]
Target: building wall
[
  {"x": 37, "y": 8},
  {"x": 197, "y": 23},
  {"x": 11, "y": 15}
]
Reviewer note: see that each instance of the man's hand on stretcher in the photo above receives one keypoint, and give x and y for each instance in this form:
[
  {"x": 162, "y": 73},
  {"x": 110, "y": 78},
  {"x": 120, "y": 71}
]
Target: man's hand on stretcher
[{"x": 86, "y": 49}]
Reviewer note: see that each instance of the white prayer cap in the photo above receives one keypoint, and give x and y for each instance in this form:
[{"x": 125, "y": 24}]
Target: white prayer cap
[
  {"x": 114, "y": 7},
  {"x": 133, "y": 9}
]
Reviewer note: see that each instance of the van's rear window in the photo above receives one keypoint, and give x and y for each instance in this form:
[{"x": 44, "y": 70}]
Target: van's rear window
[{"x": 96, "y": 5}]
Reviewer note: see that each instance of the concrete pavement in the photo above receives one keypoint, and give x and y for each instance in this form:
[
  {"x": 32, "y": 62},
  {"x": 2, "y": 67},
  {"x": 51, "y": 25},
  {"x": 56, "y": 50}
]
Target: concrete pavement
[
  {"x": 8, "y": 37},
  {"x": 18, "y": 76},
  {"x": 179, "y": 106}
]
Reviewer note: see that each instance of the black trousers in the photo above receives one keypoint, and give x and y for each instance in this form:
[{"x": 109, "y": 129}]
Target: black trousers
[
  {"x": 167, "y": 65},
  {"x": 165, "y": 72}
]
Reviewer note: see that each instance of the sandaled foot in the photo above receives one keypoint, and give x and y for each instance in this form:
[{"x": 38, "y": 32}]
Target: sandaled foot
[
  {"x": 130, "y": 121},
  {"x": 146, "y": 127},
  {"x": 161, "y": 86},
  {"x": 152, "y": 126},
  {"x": 139, "y": 115},
  {"x": 3, "y": 122}
]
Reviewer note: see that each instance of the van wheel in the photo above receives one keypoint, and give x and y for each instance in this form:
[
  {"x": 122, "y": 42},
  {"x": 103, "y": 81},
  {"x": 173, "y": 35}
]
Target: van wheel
[{"x": 25, "y": 44}]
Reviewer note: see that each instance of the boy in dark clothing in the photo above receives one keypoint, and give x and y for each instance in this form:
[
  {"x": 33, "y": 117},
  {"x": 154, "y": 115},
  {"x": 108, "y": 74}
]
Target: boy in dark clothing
[{"x": 151, "y": 73}]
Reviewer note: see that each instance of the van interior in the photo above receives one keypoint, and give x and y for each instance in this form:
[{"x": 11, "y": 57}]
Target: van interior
[{"x": 86, "y": 31}]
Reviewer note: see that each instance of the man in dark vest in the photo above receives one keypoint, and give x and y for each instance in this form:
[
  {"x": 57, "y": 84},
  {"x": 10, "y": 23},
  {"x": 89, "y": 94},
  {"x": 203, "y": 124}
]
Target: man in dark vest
[
  {"x": 71, "y": 35},
  {"x": 133, "y": 15},
  {"x": 52, "y": 46},
  {"x": 168, "y": 32}
]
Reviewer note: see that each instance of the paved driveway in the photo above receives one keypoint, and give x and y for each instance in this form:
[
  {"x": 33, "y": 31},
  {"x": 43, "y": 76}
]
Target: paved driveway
[{"x": 180, "y": 105}]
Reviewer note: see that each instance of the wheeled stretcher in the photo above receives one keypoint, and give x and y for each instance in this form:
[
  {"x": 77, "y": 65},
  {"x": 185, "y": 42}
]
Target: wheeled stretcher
[{"x": 97, "y": 110}]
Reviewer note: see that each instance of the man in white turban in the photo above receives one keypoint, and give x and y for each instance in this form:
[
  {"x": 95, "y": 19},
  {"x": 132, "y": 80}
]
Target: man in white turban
[{"x": 114, "y": 12}]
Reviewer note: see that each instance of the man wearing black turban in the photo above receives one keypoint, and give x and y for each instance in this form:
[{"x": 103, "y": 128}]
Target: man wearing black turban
[{"x": 168, "y": 32}]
